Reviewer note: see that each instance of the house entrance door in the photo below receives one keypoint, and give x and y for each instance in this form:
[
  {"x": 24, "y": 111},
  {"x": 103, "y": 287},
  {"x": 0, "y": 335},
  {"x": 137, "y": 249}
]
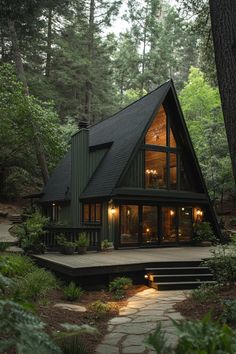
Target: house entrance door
[{"x": 149, "y": 225}]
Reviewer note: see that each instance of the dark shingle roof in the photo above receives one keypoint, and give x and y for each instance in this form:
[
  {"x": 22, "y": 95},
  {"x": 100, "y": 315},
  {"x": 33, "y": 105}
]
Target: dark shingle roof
[
  {"x": 124, "y": 130},
  {"x": 58, "y": 186}
]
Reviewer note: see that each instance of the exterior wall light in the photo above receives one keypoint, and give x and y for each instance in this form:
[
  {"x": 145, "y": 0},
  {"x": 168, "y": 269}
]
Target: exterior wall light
[{"x": 113, "y": 210}]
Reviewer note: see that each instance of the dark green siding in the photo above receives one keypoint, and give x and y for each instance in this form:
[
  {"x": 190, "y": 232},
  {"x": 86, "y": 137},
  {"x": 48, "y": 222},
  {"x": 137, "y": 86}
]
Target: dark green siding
[
  {"x": 135, "y": 174},
  {"x": 83, "y": 163}
]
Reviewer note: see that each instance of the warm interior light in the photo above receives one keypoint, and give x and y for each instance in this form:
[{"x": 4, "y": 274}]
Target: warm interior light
[
  {"x": 182, "y": 209},
  {"x": 146, "y": 276},
  {"x": 199, "y": 212},
  {"x": 147, "y": 230},
  {"x": 53, "y": 204},
  {"x": 113, "y": 210},
  {"x": 172, "y": 212},
  {"x": 128, "y": 212}
]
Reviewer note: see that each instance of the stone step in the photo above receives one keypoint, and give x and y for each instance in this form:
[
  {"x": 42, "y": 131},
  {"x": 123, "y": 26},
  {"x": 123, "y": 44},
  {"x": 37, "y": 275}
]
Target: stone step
[
  {"x": 179, "y": 277},
  {"x": 177, "y": 270},
  {"x": 15, "y": 218},
  {"x": 183, "y": 285}
]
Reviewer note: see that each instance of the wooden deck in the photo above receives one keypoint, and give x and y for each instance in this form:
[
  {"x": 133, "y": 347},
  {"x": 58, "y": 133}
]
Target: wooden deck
[{"x": 120, "y": 261}]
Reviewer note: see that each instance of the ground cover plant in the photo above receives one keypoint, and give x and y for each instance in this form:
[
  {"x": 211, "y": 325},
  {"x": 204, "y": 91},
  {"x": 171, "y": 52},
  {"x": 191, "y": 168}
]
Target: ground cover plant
[
  {"x": 219, "y": 298},
  {"x": 29, "y": 293},
  {"x": 119, "y": 285},
  {"x": 196, "y": 337}
]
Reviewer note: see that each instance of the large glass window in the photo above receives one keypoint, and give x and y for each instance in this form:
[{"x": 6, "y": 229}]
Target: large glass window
[
  {"x": 149, "y": 222},
  {"x": 129, "y": 224},
  {"x": 173, "y": 171},
  {"x": 156, "y": 134},
  {"x": 155, "y": 170},
  {"x": 169, "y": 226}
]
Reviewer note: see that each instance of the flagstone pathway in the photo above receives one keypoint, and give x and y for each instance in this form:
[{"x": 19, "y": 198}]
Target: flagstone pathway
[{"x": 127, "y": 331}]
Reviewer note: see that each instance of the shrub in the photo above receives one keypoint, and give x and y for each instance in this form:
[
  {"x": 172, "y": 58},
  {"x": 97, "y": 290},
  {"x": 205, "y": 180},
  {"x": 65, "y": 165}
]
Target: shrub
[
  {"x": 229, "y": 311},
  {"x": 73, "y": 292},
  {"x": 66, "y": 247},
  {"x": 106, "y": 244},
  {"x": 100, "y": 308},
  {"x": 198, "y": 337},
  {"x": 205, "y": 336},
  {"x": 119, "y": 285},
  {"x": 223, "y": 264},
  {"x": 23, "y": 331},
  {"x": 202, "y": 231},
  {"x": 205, "y": 292},
  {"x": 36, "y": 285},
  {"x": 6, "y": 284},
  {"x": 14, "y": 265},
  {"x": 3, "y": 246},
  {"x": 69, "y": 340},
  {"x": 31, "y": 233},
  {"x": 83, "y": 240},
  {"x": 158, "y": 340}
]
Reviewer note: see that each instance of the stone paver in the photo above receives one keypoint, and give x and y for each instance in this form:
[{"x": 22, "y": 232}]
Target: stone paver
[
  {"x": 128, "y": 331},
  {"x": 71, "y": 307},
  {"x": 5, "y": 235}
]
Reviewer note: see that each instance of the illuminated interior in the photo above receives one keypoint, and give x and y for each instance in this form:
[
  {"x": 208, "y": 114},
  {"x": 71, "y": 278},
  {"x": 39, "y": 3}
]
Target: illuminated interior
[
  {"x": 149, "y": 223},
  {"x": 160, "y": 164}
]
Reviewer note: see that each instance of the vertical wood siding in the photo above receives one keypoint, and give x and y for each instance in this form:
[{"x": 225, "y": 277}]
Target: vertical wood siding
[
  {"x": 135, "y": 174},
  {"x": 83, "y": 165}
]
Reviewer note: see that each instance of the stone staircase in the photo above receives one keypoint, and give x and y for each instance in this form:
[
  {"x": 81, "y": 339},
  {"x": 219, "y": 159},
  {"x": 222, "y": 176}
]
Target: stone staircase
[
  {"x": 15, "y": 218},
  {"x": 179, "y": 275}
]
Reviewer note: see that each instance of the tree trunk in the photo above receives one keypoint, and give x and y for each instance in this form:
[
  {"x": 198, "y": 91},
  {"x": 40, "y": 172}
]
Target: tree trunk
[
  {"x": 17, "y": 56},
  {"x": 223, "y": 22},
  {"x": 88, "y": 83},
  {"x": 49, "y": 44},
  {"x": 21, "y": 75}
]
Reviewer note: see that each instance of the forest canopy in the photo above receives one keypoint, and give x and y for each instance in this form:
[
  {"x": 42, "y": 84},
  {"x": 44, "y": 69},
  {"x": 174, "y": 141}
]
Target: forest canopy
[{"x": 62, "y": 62}]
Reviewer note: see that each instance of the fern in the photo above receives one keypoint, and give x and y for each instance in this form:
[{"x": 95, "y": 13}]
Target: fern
[{"x": 23, "y": 331}]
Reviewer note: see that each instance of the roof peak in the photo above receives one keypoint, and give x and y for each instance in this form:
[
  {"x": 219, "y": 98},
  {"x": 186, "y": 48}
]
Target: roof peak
[{"x": 168, "y": 82}]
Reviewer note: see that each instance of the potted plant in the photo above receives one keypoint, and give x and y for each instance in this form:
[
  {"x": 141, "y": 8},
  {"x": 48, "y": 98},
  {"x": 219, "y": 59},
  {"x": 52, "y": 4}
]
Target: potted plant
[
  {"x": 107, "y": 245},
  {"x": 82, "y": 243},
  {"x": 66, "y": 247},
  {"x": 203, "y": 234}
]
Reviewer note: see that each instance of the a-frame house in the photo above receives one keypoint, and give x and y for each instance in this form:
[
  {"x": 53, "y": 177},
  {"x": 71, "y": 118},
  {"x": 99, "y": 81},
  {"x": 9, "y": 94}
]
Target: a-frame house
[{"x": 135, "y": 174}]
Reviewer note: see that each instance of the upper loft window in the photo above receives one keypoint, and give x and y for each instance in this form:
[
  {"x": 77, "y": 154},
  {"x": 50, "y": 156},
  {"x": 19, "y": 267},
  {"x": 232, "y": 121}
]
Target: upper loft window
[
  {"x": 160, "y": 132},
  {"x": 161, "y": 154}
]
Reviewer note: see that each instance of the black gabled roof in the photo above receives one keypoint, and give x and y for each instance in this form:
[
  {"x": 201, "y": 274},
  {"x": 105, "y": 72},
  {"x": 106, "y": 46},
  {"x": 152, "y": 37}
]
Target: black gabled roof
[
  {"x": 123, "y": 129},
  {"x": 58, "y": 186},
  {"x": 122, "y": 132}
]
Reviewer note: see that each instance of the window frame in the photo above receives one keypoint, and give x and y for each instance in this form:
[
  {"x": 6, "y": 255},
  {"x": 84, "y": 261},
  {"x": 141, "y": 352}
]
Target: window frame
[{"x": 90, "y": 221}]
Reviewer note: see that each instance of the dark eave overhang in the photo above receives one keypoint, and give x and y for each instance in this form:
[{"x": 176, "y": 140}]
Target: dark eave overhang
[{"x": 100, "y": 146}]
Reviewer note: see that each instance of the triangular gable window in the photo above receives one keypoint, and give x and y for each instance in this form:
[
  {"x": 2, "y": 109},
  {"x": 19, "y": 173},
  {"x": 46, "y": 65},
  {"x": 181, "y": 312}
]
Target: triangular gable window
[{"x": 157, "y": 134}]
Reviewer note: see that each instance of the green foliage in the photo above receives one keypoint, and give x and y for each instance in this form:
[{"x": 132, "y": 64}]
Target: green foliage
[
  {"x": 69, "y": 340},
  {"x": 223, "y": 264},
  {"x": 100, "y": 308},
  {"x": 66, "y": 247},
  {"x": 229, "y": 312},
  {"x": 3, "y": 246},
  {"x": 23, "y": 120},
  {"x": 23, "y": 331},
  {"x": 204, "y": 337},
  {"x": 202, "y": 231},
  {"x": 119, "y": 285},
  {"x": 205, "y": 293},
  {"x": 35, "y": 285},
  {"x": 202, "y": 110},
  {"x": 30, "y": 235},
  {"x": 106, "y": 244},
  {"x": 13, "y": 265},
  {"x": 6, "y": 284},
  {"x": 158, "y": 341},
  {"x": 73, "y": 292},
  {"x": 197, "y": 337},
  {"x": 83, "y": 240}
]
